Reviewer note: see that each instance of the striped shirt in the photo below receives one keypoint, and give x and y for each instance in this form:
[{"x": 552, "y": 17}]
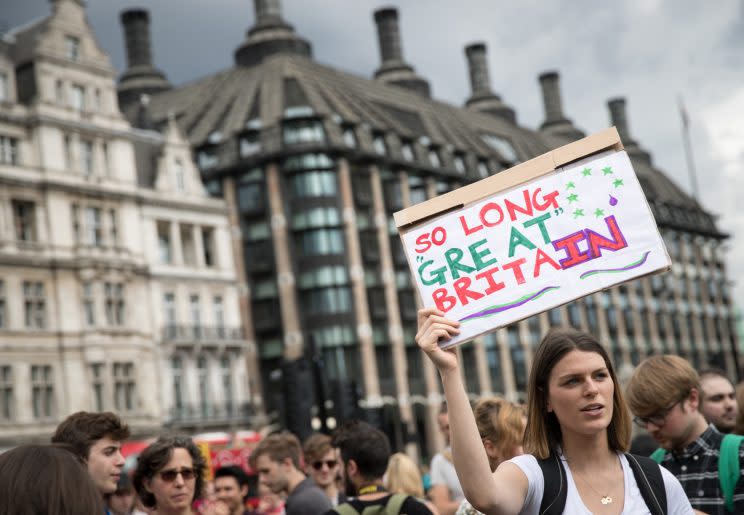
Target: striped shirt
[{"x": 696, "y": 468}]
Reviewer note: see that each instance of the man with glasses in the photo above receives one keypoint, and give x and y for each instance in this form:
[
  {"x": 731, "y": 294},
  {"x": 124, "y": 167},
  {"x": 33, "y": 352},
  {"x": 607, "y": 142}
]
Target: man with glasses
[
  {"x": 277, "y": 460},
  {"x": 664, "y": 394},
  {"x": 322, "y": 466}
]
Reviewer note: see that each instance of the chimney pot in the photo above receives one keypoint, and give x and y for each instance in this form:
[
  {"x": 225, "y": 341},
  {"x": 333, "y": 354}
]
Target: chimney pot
[
  {"x": 388, "y": 34},
  {"x": 619, "y": 117},
  {"x": 480, "y": 82},
  {"x": 549, "y": 82},
  {"x": 136, "y": 24}
]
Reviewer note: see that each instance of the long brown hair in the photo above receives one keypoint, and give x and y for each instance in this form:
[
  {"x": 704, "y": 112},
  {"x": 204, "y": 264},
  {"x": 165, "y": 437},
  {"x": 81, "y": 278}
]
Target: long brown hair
[
  {"x": 47, "y": 479},
  {"x": 543, "y": 433}
]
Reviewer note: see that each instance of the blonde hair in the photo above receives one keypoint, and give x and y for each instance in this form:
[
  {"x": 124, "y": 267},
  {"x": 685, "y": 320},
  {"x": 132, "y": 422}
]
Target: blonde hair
[
  {"x": 501, "y": 422},
  {"x": 403, "y": 476},
  {"x": 543, "y": 434},
  {"x": 659, "y": 381}
]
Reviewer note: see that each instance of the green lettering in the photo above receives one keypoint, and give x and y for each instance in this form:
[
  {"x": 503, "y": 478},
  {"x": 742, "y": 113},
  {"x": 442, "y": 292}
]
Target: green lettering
[
  {"x": 517, "y": 238},
  {"x": 453, "y": 256},
  {"x": 478, "y": 256},
  {"x": 540, "y": 222},
  {"x": 436, "y": 276}
]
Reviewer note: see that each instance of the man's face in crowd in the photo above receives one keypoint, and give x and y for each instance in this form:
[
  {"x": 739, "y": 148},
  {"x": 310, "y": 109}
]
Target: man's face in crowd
[
  {"x": 719, "y": 402},
  {"x": 105, "y": 463},
  {"x": 323, "y": 470},
  {"x": 229, "y": 492},
  {"x": 676, "y": 428},
  {"x": 272, "y": 473},
  {"x": 444, "y": 427},
  {"x": 121, "y": 502}
]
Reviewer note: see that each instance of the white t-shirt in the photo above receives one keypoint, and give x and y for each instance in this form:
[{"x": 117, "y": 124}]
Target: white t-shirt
[
  {"x": 677, "y": 503},
  {"x": 442, "y": 472}
]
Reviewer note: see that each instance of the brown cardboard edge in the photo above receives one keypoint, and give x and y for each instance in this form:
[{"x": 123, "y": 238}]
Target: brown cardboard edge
[{"x": 519, "y": 174}]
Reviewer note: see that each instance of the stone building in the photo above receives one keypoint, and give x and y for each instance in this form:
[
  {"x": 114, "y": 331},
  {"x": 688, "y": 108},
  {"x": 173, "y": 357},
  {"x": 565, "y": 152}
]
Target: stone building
[{"x": 93, "y": 316}]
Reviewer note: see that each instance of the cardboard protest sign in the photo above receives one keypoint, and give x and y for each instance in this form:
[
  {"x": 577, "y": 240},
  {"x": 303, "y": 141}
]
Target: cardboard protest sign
[{"x": 551, "y": 230}]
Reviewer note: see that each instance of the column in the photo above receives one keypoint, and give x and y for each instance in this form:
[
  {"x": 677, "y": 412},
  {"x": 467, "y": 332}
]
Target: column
[
  {"x": 198, "y": 238},
  {"x": 175, "y": 243}
]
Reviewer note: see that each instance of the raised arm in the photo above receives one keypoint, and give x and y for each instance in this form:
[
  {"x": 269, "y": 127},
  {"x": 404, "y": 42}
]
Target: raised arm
[{"x": 500, "y": 493}]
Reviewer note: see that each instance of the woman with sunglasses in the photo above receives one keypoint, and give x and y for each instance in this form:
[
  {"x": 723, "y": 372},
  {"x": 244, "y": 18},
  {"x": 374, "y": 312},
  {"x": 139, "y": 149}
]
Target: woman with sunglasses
[
  {"x": 575, "y": 415},
  {"x": 169, "y": 475}
]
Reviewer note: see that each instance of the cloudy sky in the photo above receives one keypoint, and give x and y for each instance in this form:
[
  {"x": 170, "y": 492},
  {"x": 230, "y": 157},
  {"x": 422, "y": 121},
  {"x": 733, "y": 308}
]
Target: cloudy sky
[{"x": 652, "y": 52}]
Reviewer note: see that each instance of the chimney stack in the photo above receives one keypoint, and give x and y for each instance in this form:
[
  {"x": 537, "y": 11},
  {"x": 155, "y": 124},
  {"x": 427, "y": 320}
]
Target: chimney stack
[
  {"x": 394, "y": 70},
  {"x": 140, "y": 77},
  {"x": 482, "y": 98},
  {"x": 619, "y": 118},
  {"x": 270, "y": 35},
  {"x": 555, "y": 122}
]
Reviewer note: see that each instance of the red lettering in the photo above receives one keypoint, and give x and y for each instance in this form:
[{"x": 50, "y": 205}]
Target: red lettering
[
  {"x": 491, "y": 206},
  {"x": 493, "y": 286},
  {"x": 443, "y": 301},
  {"x": 597, "y": 242},
  {"x": 549, "y": 200},
  {"x": 512, "y": 208},
  {"x": 543, "y": 258},
  {"x": 468, "y": 230},
  {"x": 516, "y": 268},
  {"x": 462, "y": 291},
  {"x": 442, "y": 235},
  {"x": 570, "y": 244},
  {"x": 423, "y": 240}
]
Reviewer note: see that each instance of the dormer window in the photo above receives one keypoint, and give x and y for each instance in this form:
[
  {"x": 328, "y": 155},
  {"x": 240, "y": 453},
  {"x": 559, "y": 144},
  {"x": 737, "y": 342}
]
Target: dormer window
[
  {"x": 253, "y": 124},
  {"x": 77, "y": 100},
  {"x": 482, "y": 168},
  {"x": 434, "y": 158},
  {"x": 502, "y": 146},
  {"x": 349, "y": 137},
  {"x": 250, "y": 143},
  {"x": 214, "y": 137},
  {"x": 180, "y": 175},
  {"x": 298, "y": 112},
  {"x": 406, "y": 150},
  {"x": 207, "y": 158},
  {"x": 72, "y": 48},
  {"x": 378, "y": 142},
  {"x": 302, "y": 131},
  {"x": 459, "y": 162}
]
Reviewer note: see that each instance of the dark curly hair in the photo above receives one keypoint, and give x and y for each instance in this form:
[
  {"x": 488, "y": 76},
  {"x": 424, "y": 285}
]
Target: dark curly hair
[
  {"x": 157, "y": 455},
  {"x": 82, "y": 429}
]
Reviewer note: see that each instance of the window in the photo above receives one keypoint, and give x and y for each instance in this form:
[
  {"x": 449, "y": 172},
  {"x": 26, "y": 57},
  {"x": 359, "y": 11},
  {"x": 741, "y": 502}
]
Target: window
[
  {"x": 482, "y": 168},
  {"x": 24, "y": 220},
  {"x": 406, "y": 150},
  {"x": 114, "y": 227},
  {"x": 194, "y": 306},
  {"x": 434, "y": 158},
  {"x": 34, "y": 305},
  {"x": 164, "y": 246},
  {"x": 502, "y": 146},
  {"x": 324, "y": 276},
  {"x": 4, "y": 93},
  {"x": 226, "y": 372},
  {"x": 257, "y": 231},
  {"x": 208, "y": 244},
  {"x": 251, "y": 197},
  {"x": 89, "y": 305},
  {"x": 316, "y": 217},
  {"x": 314, "y": 184},
  {"x": 93, "y": 226},
  {"x": 114, "y": 294},
  {"x": 219, "y": 316},
  {"x": 8, "y": 150},
  {"x": 303, "y": 131},
  {"x": 77, "y": 97},
  {"x": 327, "y": 300},
  {"x": 124, "y": 390},
  {"x": 42, "y": 391},
  {"x": 86, "y": 157},
  {"x": 59, "y": 91},
  {"x": 349, "y": 137},
  {"x": 179, "y": 174},
  {"x": 250, "y": 144},
  {"x": 378, "y": 142},
  {"x": 177, "y": 370},
  {"x": 459, "y": 161},
  {"x": 169, "y": 315},
  {"x": 3, "y": 306},
  {"x": 207, "y": 158},
  {"x": 105, "y": 158},
  {"x": 72, "y": 48},
  {"x": 97, "y": 374},
  {"x": 75, "y": 217},
  {"x": 68, "y": 152},
  {"x": 321, "y": 242},
  {"x": 7, "y": 406},
  {"x": 202, "y": 373},
  {"x": 188, "y": 247}
]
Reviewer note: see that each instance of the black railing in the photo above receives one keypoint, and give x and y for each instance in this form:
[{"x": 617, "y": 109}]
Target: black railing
[{"x": 201, "y": 333}]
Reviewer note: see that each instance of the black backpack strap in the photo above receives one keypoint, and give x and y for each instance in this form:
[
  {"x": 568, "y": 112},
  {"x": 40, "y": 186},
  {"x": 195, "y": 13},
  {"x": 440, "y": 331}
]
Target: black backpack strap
[
  {"x": 650, "y": 482},
  {"x": 556, "y": 486}
]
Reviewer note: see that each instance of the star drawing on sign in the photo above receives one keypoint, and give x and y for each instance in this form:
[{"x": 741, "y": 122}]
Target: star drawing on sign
[
  {"x": 573, "y": 197},
  {"x": 578, "y": 213},
  {"x": 598, "y": 212},
  {"x": 570, "y": 185},
  {"x": 607, "y": 170},
  {"x": 586, "y": 172},
  {"x": 617, "y": 183}
]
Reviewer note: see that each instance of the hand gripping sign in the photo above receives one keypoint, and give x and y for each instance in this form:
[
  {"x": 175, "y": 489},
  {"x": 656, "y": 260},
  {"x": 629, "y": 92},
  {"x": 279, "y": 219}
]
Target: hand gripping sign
[{"x": 543, "y": 233}]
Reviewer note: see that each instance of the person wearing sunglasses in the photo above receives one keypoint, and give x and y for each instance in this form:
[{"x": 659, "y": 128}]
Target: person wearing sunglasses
[
  {"x": 322, "y": 466},
  {"x": 170, "y": 475},
  {"x": 664, "y": 394}
]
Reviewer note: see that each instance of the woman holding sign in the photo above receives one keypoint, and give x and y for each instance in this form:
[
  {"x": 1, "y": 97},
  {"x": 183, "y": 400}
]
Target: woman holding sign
[{"x": 578, "y": 429}]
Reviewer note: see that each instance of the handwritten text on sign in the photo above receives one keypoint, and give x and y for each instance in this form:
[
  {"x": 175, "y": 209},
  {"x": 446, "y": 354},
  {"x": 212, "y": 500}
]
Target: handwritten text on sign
[{"x": 536, "y": 246}]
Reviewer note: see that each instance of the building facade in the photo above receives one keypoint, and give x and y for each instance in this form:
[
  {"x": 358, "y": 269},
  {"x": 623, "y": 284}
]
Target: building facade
[{"x": 83, "y": 320}]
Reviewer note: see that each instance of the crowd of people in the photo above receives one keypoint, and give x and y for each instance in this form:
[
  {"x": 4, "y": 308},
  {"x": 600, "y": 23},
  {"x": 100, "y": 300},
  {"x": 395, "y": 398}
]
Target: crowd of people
[{"x": 570, "y": 449}]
